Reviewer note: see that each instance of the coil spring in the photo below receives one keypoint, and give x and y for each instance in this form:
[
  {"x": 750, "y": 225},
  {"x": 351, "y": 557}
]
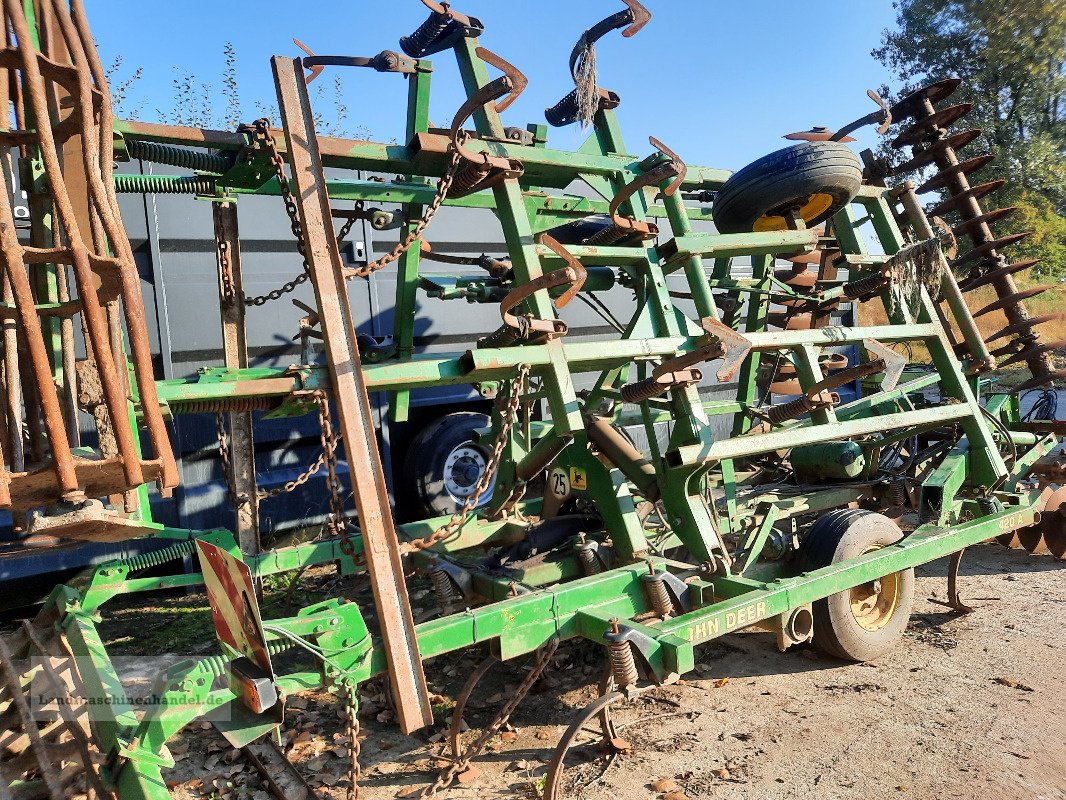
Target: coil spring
[
  {"x": 586, "y": 555},
  {"x": 607, "y": 236},
  {"x": 658, "y": 597},
  {"x": 165, "y": 184},
  {"x": 157, "y": 557},
  {"x": 989, "y": 504},
  {"x": 642, "y": 390},
  {"x": 897, "y": 492},
  {"x": 623, "y": 665},
  {"x": 468, "y": 178},
  {"x": 787, "y": 411},
  {"x": 871, "y": 284},
  {"x": 564, "y": 112},
  {"x": 444, "y": 588},
  {"x": 418, "y": 44},
  {"x": 232, "y": 405},
  {"x": 178, "y": 156},
  {"x": 505, "y": 335}
]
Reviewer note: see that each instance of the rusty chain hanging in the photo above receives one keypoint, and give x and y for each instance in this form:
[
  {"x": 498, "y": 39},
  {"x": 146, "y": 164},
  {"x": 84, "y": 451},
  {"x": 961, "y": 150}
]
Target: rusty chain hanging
[
  {"x": 263, "y": 136},
  {"x": 225, "y": 268},
  {"x": 351, "y": 709},
  {"x": 452, "y": 771},
  {"x": 508, "y": 416}
]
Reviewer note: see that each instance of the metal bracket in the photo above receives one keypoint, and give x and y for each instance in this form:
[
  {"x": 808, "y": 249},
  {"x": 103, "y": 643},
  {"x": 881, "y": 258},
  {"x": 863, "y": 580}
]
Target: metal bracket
[{"x": 882, "y": 118}]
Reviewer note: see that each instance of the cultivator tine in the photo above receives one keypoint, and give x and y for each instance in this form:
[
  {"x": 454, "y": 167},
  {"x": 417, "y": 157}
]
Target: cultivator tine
[
  {"x": 954, "y": 601},
  {"x": 932, "y": 144}
]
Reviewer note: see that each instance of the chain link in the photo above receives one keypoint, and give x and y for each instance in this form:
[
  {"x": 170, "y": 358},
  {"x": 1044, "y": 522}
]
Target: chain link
[
  {"x": 508, "y": 416},
  {"x": 266, "y": 138},
  {"x": 225, "y": 268},
  {"x": 330, "y": 439},
  {"x": 443, "y": 185},
  {"x": 263, "y": 136},
  {"x": 354, "y": 748},
  {"x": 452, "y": 771}
]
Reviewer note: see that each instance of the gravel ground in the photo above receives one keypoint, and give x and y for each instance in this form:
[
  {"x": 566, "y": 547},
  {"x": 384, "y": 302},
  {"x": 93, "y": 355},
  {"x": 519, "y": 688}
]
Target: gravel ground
[{"x": 965, "y": 707}]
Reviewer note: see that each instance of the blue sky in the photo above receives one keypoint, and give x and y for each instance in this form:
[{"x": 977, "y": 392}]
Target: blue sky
[{"x": 717, "y": 81}]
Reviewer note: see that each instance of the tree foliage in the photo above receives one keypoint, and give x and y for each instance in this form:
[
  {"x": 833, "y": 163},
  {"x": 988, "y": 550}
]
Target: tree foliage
[{"x": 1011, "y": 57}]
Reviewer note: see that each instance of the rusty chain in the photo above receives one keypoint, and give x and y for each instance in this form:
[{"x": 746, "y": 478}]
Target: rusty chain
[
  {"x": 330, "y": 438},
  {"x": 508, "y": 416},
  {"x": 352, "y": 713},
  {"x": 263, "y": 136},
  {"x": 452, "y": 771},
  {"x": 225, "y": 268},
  {"x": 443, "y": 185}
]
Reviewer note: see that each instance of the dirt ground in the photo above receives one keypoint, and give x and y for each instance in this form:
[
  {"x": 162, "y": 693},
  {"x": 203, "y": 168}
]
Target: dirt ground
[{"x": 966, "y": 707}]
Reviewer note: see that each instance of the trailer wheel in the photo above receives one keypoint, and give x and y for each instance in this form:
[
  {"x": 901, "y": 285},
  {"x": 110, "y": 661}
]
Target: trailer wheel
[
  {"x": 816, "y": 178},
  {"x": 866, "y": 621},
  {"x": 444, "y": 463}
]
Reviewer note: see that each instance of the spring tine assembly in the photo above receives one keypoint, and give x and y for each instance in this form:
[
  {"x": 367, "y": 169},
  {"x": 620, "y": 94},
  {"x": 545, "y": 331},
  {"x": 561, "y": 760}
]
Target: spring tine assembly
[
  {"x": 932, "y": 144},
  {"x": 588, "y": 98},
  {"x": 671, "y": 168},
  {"x": 526, "y": 328},
  {"x": 441, "y": 30},
  {"x": 480, "y": 170}
]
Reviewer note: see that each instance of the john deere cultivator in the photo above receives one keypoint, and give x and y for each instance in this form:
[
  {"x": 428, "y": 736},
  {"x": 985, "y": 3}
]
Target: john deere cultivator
[{"x": 806, "y": 514}]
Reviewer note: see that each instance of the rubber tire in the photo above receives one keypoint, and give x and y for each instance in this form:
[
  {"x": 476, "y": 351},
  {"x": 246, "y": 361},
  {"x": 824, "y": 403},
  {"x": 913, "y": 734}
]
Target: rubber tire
[
  {"x": 788, "y": 175},
  {"x": 423, "y": 468},
  {"x": 838, "y": 536}
]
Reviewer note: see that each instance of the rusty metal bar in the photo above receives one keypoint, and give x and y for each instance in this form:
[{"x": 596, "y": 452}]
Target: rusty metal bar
[
  {"x": 353, "y": 404},
  {"x": 235, "y": 350}
]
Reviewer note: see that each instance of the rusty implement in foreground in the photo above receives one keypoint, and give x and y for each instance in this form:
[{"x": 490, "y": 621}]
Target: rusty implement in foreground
[
  {"x": 736, "y": 450},
  {"x": 76, "y": 272}
]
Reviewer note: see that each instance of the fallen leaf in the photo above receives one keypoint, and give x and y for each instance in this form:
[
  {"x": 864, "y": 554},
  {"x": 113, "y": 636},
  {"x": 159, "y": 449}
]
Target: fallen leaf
[
  {"x": 663, "y": 785},
  {"x": 718, "y": 684},
  {"x": 675, "y": 796}
]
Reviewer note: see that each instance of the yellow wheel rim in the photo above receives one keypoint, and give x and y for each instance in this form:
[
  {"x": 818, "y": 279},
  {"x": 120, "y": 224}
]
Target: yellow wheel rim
[
  {"x": 873, "y": 604},
  {"x": 816, "y": 205}
]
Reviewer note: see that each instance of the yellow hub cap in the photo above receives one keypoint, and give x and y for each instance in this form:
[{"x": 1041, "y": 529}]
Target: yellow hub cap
[
  {"x": 873, "y": 604},
  {"x": 816, "y": 204}
]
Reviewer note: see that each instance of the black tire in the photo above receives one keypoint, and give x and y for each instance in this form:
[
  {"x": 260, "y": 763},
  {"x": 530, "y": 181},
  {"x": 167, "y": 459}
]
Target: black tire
[
  {"x": 839, "y": 629},
  {"x": 818, "y": 177},
  {"x": 434, "y": 479}
]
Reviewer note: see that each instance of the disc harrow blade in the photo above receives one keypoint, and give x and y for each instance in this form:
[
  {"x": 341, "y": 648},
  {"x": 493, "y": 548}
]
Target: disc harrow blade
[
  {"x": 986, "y": 278},
  {"x": 926, "y": 126},
  {"x": 926, "y": 157},
  {"x": 1023, "y": 327},
  {"x": 913, "y": 104},
  {"x": 956, "y": 201},
  {"x": 972, "y": 227},
  {"x": 1033, "y": 351},
  {"x": 1011, "y": 299},
  {"x": 945, "y": 176},
  {"x": 1038, "y": 381},
  {"x": 984, "y": 249}
]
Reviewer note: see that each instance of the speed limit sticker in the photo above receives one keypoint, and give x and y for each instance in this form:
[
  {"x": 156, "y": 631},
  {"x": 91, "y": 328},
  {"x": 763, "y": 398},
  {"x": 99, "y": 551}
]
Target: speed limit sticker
[{"x": 559, "y": 483}]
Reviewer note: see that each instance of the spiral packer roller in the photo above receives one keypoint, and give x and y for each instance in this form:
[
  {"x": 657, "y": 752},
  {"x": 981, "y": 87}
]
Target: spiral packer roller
[{"x": 985, "y": 263}]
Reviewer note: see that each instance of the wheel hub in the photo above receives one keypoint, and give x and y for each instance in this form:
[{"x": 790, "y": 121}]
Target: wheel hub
[{"x": 462, "y": 470}]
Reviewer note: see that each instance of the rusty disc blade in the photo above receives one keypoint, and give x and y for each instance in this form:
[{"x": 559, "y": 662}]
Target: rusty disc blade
[
  {"x": 993, "y": 275},
  {"x": 790, "y": 386},
  {"x": 913, "y": 103},
  {"x": 987, "y": 247},
  {"x": 1023, "y": 327},
  {"x": 1011, "y": 299},
  {"x": 1032, "y": 352},
  {"x": 790, "y": 322},
  {"x": 926, "y": 157},
  {"x": 1032, "y": 539},
  {"x": 1009, "y": 540},
  {"x": 941, "y": 119},
  {"x": 1037, "y": 381},
  {"x": 956, "y": 201},
  {"x": 803, "y": 279},
  {"x": 972, "y": 227},
  {"x": 1053, "y": 523},
  {"x": 945, "y": 176}
]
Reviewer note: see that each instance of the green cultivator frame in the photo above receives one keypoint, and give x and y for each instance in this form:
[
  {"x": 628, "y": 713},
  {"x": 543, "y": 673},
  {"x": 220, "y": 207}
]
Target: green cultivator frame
[{"x": 807, "y": 520}]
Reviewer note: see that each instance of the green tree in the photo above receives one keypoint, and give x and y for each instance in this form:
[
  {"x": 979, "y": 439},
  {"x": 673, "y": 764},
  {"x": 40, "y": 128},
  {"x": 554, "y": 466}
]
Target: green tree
[{"x": 1011, "y": 57}]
